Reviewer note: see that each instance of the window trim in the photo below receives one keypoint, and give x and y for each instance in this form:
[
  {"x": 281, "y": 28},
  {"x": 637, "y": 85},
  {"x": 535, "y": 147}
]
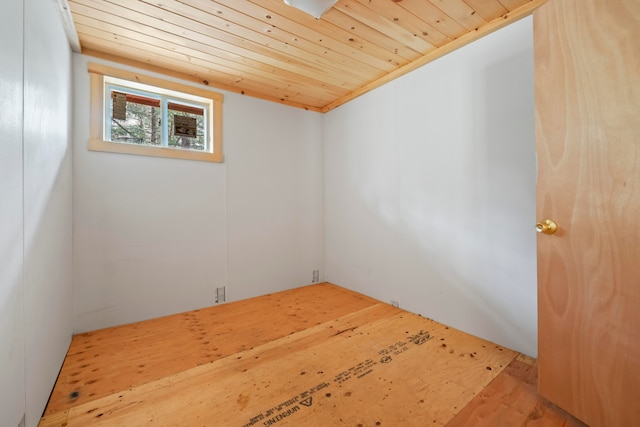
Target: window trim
[{"x": 96, "y": 142}]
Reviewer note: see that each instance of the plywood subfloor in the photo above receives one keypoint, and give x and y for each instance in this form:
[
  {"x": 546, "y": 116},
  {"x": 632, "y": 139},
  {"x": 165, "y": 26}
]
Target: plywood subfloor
[{"x": 314, "y": 356}]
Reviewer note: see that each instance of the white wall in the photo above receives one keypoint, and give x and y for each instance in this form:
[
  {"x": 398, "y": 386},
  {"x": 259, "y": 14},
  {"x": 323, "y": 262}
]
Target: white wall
[
  {"x": 156, "y": 236},
  {"x": 36, "y": 297},
  {"x": 48, "y": 255},
  {"x": 274, "y": 164},
  {"x": 12, "y": 382},
  {"x": 430, "y": 191},
  {"x": 149, "y": 235}
]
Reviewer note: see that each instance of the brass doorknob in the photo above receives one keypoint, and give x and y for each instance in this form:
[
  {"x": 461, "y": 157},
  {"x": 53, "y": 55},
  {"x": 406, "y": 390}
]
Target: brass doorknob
[{"x": 546, "y": 227}]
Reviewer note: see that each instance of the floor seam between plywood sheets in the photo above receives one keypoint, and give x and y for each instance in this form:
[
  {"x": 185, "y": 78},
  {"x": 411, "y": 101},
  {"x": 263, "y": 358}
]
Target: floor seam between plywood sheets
[
  {"x": 106, "y": 361},
  {"x": 333, "y": 327},
  {"x": 313, "y": 373}
]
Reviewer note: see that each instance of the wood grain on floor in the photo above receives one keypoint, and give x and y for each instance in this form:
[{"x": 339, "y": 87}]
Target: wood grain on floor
[{"x": 315, "y": 356}]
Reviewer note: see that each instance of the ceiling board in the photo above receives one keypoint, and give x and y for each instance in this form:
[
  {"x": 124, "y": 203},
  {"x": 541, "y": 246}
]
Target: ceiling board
[{"x": 266, "y": 49}]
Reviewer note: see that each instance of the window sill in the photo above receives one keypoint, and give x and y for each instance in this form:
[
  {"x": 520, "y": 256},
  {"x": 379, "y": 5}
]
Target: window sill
[{"x": 145, "y": 150}]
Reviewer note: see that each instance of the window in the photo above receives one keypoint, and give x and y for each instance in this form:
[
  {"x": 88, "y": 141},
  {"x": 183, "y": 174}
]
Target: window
[{"x": 136, "y": 114}]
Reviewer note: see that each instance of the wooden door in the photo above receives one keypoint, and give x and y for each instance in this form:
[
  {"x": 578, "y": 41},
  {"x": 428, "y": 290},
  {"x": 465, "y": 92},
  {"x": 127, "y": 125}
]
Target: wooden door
[{"x": 587, "y": 94}]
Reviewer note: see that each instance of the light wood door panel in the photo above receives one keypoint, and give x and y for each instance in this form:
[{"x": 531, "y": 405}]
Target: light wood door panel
[{"x": 587, "y": 93}]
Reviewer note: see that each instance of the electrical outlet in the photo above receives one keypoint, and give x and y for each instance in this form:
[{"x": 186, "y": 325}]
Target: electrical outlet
[
  {"x": 395, "y": 303},
  {"x": 315, "y": 276},
  {"x": 221, "y": 294}
]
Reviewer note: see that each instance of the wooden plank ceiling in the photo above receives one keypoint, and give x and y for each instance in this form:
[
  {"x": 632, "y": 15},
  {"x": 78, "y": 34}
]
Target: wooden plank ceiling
[{"x": 268, "y": 50}]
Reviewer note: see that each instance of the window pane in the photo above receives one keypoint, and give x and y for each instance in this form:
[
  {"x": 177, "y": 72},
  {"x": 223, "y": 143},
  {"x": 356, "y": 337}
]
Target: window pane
[
  {"x": 149, "y": 116},
  {"x": 142, "y": 124},
  {"x": 186, "y": 126}
]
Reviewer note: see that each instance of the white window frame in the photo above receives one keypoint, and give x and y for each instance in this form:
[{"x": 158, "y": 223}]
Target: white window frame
[{"x": 101, "y": 75}]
